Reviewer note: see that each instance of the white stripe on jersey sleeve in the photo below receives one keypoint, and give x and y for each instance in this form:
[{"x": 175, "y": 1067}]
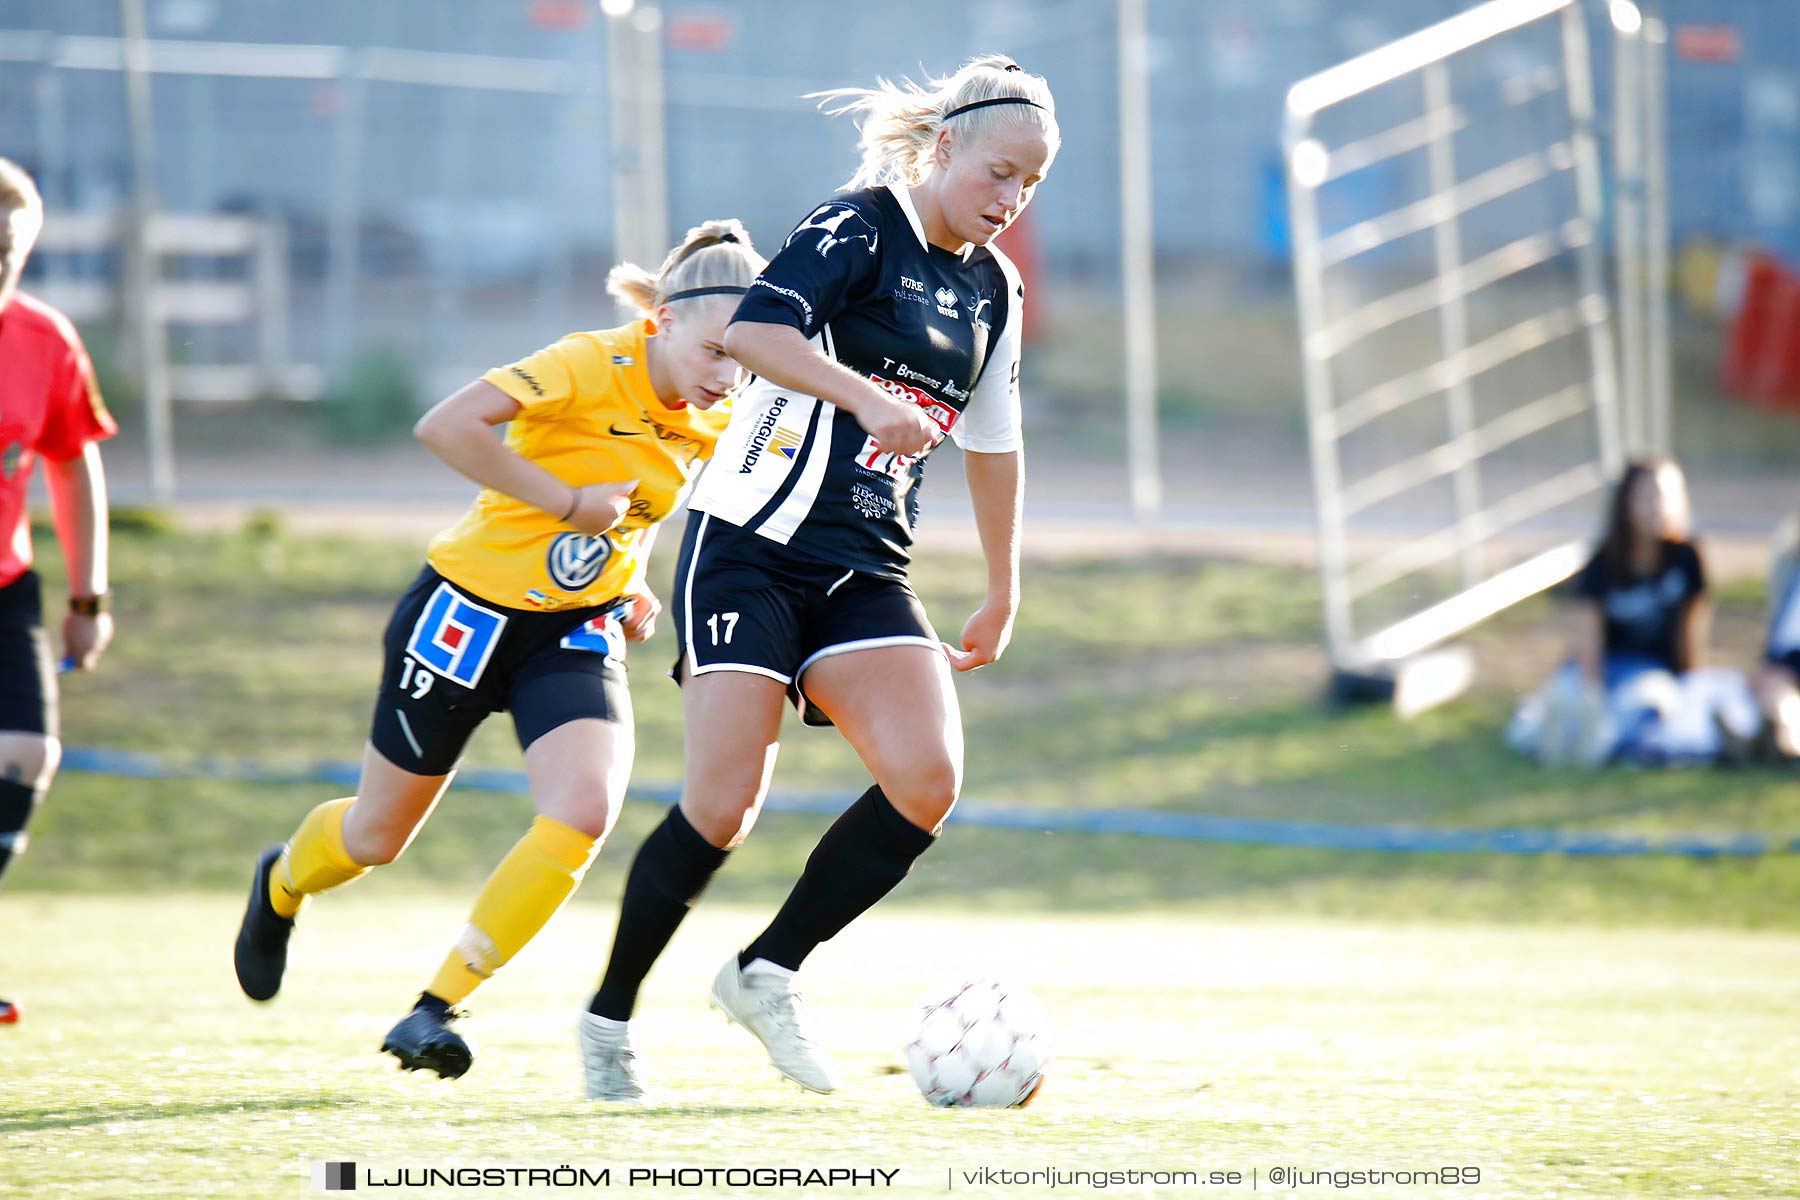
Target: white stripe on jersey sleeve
[{"x": 991, "y": 423}]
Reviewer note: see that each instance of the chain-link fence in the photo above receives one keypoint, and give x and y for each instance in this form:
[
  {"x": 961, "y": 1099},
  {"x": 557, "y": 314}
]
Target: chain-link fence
[{"x": 442, "y": 173}]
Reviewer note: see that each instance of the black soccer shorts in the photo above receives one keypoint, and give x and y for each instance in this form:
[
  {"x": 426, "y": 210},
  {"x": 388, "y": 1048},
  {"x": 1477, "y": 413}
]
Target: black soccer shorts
[
  {"x": 27, "y": 667},
  {"x": 453, "y": 659},
  {"x": 746, "y": 603}
]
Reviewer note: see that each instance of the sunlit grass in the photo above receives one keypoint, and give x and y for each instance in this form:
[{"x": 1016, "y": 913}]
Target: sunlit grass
[{"x": 1567, "y": 1062}]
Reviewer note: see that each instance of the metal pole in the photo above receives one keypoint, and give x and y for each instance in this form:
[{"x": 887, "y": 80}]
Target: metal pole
[
  {"x": 143, "y": 265},
  {"x": 342, "y": 252},
  {"x": 653, "y": 143},
  {"x": 1453, "y": 316},
  {"x": 1628, "y": 217},
  {"x": 1591, "y": 203},
  {"x": 1138, "y": 261},
  {"x": 1308, "y": 168},
  {"x": 640, "y": 162},
  {"x": 625, "y": 158},
  {"x": 1656, "y": 222},
  {"x": 202, "y": 343}
]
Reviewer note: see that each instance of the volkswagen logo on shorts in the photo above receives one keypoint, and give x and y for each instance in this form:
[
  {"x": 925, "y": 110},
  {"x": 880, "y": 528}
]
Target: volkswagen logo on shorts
[{"x": 576, "y": 560}]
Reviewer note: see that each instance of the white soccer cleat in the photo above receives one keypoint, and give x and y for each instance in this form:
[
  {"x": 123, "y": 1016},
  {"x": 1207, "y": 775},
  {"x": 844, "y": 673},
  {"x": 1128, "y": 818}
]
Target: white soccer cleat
[
  {"x": 769, "y": 1006},
  {"x": 608, "y": 1064}
]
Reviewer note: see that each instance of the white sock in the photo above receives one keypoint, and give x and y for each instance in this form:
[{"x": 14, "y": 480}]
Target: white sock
[
  {"x": 605, "y": 1025},
  {"x": 762, "y": 966}
]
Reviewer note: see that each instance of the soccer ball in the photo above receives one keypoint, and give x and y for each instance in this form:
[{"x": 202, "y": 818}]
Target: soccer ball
[{"x": 979, "y": 1044}]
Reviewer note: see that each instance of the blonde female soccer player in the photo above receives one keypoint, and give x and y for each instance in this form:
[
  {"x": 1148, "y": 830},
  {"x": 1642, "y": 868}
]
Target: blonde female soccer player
[
  {"x": 525, "y": 606},
  {"x": 887, "y": 321}
]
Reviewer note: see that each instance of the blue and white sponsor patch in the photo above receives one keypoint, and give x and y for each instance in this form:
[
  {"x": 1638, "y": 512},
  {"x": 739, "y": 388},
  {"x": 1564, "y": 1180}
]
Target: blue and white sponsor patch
[
  {"x": 455, "y": 636},
  {"x": 602, "y": 635},
  {"x": 576, "y": 560}
]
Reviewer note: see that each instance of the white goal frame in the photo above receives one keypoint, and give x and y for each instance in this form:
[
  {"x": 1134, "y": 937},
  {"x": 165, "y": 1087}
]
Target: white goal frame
[{"x": 1349, "y": 572}]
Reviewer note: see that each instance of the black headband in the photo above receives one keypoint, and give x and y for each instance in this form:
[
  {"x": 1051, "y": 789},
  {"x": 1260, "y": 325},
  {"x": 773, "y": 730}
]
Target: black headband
[
  {"x": 986, "y": 103},
  {"x": 690, "y": 293}
]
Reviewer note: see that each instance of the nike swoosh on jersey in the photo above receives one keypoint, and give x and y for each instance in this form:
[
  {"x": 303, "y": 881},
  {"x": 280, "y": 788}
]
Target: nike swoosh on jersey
[{"x": 617, "y": 432}]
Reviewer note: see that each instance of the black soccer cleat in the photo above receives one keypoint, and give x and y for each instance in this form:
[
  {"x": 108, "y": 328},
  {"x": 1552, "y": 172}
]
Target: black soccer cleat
[
  {"x": 424, "y": 1040},
  {"x": 262, "y": 941}
]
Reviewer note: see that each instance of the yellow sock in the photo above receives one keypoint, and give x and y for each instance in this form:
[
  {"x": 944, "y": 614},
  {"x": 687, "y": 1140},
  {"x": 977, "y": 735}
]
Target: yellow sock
[
  {"x": 519, "y": 898},
  {"x": 315, "y": 859}
]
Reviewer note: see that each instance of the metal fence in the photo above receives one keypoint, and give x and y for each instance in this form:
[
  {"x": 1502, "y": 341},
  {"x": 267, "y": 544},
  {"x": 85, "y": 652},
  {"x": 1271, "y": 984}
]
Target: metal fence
[
  {"x": 459, "y": 203},
  {"x": 443, "y": 169}
]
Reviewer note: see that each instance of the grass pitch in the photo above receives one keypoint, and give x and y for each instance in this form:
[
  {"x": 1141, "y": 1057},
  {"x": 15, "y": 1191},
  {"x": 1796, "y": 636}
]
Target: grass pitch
[
  {"x": 1558, "y": 1062},
  {"x": 1608, "y": 1028}
]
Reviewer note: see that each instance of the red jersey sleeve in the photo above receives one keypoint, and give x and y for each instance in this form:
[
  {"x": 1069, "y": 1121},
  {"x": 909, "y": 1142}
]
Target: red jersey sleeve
[{"x": 74, "y": 413}]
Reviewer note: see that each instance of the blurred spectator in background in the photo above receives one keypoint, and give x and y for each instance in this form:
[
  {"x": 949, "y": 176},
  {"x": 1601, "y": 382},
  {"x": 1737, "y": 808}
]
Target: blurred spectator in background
[
  {"x": 1634, "y": 687},
  {"x": 49, "y": 408},
  {"x": 1778, "y": 683}
]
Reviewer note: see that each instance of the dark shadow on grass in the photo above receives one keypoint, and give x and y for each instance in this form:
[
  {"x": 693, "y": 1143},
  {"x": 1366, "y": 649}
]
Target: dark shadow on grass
[{"x": 56, "y": 1118}]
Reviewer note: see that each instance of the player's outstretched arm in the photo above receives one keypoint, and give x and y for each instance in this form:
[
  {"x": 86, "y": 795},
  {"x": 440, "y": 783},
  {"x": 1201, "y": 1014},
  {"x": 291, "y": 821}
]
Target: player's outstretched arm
[
  {"x": 996, "y": 489},
  {"x": 460, "y": 430},
  {"x": 782, "y": 355},
  {"x": 78, "y": 506}
]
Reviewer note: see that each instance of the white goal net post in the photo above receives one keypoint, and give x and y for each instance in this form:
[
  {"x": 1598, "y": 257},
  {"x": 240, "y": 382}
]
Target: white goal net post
[{"x": 1460, "y": 371}]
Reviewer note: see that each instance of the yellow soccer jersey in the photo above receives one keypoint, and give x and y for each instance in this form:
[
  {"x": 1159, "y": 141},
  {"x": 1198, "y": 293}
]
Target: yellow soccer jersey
[{"x": 589, "y": 416}]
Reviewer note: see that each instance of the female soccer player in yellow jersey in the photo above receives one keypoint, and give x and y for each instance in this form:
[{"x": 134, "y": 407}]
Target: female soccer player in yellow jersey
[{"x": 525, "y": 605}]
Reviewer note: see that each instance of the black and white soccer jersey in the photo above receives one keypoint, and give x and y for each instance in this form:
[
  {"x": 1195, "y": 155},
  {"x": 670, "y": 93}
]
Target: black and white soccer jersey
[{"x": 931, "y": 327}]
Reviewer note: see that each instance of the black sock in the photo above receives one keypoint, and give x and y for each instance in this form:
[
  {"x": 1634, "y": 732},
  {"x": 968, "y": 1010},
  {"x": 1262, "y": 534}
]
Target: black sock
[
  {"x": 671, "y": 869},
  {"x": 862, "y": 857},
  {"x": 433, "y": 1004},
  {"x": 16, "y": 802}
]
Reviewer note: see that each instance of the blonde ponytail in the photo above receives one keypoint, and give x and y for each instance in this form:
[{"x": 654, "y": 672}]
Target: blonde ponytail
[
  {"x": 632, "y": 286},
  {"x": 713, "y": 254},
  {"x": 900, "y": 122}
]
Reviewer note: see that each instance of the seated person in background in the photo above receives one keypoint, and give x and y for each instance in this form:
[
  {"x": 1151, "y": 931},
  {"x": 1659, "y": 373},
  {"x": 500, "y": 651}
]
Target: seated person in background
[
  {"x": 1778, "y": 683},
  {"x": 1632, "y": 687}
]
